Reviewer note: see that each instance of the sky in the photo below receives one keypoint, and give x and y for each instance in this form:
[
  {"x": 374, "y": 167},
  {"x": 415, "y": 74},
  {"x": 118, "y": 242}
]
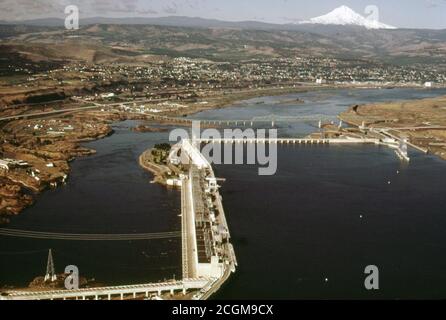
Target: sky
[{"x": 401, "y": 13}]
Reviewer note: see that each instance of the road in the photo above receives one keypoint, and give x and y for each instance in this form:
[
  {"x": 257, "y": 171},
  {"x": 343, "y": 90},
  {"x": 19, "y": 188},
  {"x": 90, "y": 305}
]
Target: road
[
  {"x": 190, "y": 258},
  {"x": 77, "y": 109}
]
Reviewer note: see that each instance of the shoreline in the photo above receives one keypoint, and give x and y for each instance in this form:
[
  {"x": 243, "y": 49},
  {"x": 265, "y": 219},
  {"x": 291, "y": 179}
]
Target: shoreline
[
  {"x": 421, "y": 122},
  {"x": 105, "y": 119},
  {"x": 75, "y": 148},
  {"x": 156, "y": 170},
  {"x": 177, "y": 117}
]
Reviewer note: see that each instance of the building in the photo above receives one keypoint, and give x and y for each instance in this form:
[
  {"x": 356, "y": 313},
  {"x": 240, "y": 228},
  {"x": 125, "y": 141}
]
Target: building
[{"x": 107, "y": 95}]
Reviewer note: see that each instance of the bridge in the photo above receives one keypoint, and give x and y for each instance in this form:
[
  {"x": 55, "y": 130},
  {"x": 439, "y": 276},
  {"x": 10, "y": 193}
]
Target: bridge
[
  {"x": 91, "y": 105},
  {"x": 384, "y": 138},
  {"x": 271, "y": 118},
  {"x": 346, "y": 140},
  {"x": 142, "y": 291}
]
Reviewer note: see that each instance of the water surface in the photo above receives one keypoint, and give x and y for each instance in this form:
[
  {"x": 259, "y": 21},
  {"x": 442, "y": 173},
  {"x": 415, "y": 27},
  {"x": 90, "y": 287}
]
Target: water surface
[{"x": 291, "y": 231}]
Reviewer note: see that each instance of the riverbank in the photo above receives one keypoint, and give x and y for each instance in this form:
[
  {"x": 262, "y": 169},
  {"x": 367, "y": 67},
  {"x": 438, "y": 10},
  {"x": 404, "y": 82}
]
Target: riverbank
[
  {"x": 422, "y": 122},
  {"x": 160, "y": 172},
  {"x": 222, "y": 99},
  {"x": 49, "y": 144},
  {"x": 36, "y": 155},
  {"x": 103, "y": 187}
]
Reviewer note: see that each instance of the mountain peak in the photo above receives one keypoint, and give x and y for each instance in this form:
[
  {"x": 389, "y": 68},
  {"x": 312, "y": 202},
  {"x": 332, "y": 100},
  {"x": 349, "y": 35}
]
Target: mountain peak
[
  {"x": 344, "y": 8},
  {"x": 344, "y": 15}
]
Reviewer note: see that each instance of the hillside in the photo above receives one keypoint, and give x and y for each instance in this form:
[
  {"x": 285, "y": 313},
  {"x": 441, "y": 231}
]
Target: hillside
[{"x": 96, "y": 43}]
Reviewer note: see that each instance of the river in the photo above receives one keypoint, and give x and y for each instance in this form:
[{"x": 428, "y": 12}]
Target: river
[{"x": 307, "y": 232}]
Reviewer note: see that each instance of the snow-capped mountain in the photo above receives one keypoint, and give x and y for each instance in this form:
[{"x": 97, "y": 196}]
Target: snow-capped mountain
[{"x": 346, "y": 16}]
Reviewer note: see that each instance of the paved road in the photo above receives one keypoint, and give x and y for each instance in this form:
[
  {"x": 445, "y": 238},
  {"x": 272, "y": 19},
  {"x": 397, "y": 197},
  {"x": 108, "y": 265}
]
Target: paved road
[
  {"x": 188, "y": 219},
  {"x": 47, "y": 113}
]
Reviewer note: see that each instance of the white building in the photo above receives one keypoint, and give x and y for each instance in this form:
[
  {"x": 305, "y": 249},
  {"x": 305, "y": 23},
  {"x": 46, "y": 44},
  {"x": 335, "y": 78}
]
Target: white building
[{"x": 107, "y": 95}]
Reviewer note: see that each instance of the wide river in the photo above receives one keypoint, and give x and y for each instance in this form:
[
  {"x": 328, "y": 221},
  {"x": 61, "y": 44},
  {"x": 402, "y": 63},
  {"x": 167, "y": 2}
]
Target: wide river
[{"x": 308, "y": 231}]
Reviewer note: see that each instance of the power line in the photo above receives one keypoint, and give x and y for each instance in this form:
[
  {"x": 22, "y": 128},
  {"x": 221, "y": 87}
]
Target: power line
[
  {"x": 88, "y": 237},
  {"x": 12, "y": 253}
]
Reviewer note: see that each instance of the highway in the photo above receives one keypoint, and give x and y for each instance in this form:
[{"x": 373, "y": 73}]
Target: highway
[
  {"x": 77, "y": 109},
  {"x": 47, "y": 113}
]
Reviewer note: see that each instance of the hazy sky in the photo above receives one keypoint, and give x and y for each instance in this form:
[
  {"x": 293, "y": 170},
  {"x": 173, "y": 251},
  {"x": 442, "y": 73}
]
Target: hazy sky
[{"x": 400, "y": 13}]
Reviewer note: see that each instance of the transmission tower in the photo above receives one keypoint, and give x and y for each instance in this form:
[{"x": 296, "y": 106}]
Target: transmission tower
[{"x": 50, "y": 272}]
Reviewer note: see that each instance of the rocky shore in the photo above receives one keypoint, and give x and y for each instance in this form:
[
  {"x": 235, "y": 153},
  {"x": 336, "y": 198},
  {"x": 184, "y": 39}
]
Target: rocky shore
[
  {"x": 161, "y": 172},
  {"x": 36, "y": 154}
]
